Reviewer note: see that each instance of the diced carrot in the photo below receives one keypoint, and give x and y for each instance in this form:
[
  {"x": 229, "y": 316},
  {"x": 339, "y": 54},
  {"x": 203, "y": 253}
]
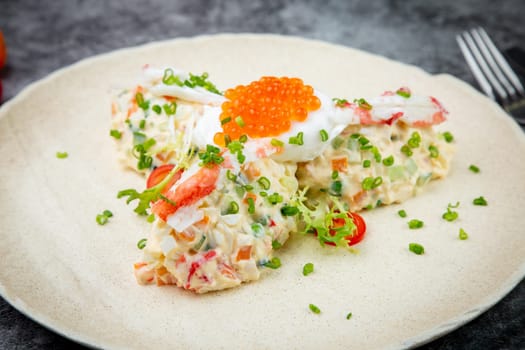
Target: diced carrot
[
  {"x": 340, "y": 164},
  {"x": 252, "y": 171},
  {"x": 244, "y": 252},
  {"x": 249, "y": 195},
  {"x": 183, "y": 236}
]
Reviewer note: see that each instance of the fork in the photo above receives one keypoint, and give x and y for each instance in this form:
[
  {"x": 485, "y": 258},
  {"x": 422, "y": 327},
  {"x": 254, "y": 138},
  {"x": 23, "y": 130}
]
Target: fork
[{"x": 493, "y": 73}]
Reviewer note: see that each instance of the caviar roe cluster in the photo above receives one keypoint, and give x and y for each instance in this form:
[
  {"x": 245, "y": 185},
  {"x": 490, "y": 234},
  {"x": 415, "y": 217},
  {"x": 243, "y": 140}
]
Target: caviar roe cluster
[{"x": 266, "y": 107}]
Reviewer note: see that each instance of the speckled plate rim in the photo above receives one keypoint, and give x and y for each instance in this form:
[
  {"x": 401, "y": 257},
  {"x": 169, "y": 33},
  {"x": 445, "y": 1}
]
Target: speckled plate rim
[{"x": 423, "y": 338}]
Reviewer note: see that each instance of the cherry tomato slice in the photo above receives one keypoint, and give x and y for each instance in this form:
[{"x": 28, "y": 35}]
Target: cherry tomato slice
[
  {"x": 159, "y": 173},
  {"x": 360, "y": 227}
]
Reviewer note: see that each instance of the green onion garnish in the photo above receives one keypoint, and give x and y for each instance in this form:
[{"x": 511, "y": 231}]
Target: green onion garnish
[
  {"x": 369, "y": 183},
  {"x": 169, "y": 78},
  {"x": 336, "y": 188},
  {"x": 211, "y": 156},
  {"x": 480, "y": 201},
  {"x": 434, "y": 151},
  {"x": 139, "y": 97},
  {"x": 239, "y": 121},
  {"x": 349, "y": 316},
  {"x": 142, "y": 124},
  {"x": 157, "y": 109},
  {"x": 402, "y": 213},
  {"x": 62, "y": 155},
  {"x": 107, "y": 213},
  {"x": 362, "y": 103},
  {"x": 230, "y": 175},
  {"x": 288, "y": 210},
  {"x": 243, "y": 138},
  {"x": 142, "y": 243},
  {"x": 277, "y": 143},
  {"x": 363, "y": 140},
  {"x": 115, "y": 133},
  {"x": 366, "y": 163},
  {"x": 251, "y": 205},
  {"x": 296, "y": 140},
  {"x": 264, "y": 183},
  {"x": 102, "y": 219},
  {"x": 463, "y": 235},
  {"x": 226, "y": 120},
  {"x": 233, "y": 208},
  {"x": 474, "y": 168},
  {"x": 415, "y": 224},
  {"x": 276, "y": 244},
  {"x": 274, "y": 263},
  {"x": 335, "y": 174},
  {"x": 324, "y": 135},
  {"x": 388, "y": 161},
  {"x": 340, "y": 102},
  {"x": 170, "y": 108},
  {"x": 416, "y": 248},
  {"x": 308, "y": 268},
  {"x": 403, "y": 92},
  {"x": 448, "y": 137},
  {"x": 450, "y": 215},
  {"x": 314, "y": 309},
  {"x": 275, "y": 198}
]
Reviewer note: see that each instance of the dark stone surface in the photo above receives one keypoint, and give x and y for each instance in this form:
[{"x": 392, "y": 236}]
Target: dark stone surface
[{"x": 43, "y": 36}]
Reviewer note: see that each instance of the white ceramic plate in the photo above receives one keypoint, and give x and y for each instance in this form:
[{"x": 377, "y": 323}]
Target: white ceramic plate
[{"x": 74, "y": 276}]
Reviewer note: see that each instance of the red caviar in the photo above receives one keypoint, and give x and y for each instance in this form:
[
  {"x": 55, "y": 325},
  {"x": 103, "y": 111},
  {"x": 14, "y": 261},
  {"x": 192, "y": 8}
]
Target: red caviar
[{"x": 266, "y": 107}]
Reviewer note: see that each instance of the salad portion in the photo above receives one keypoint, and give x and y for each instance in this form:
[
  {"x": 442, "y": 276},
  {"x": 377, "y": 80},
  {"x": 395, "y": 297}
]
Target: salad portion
[{"x": 231, "y": 176}]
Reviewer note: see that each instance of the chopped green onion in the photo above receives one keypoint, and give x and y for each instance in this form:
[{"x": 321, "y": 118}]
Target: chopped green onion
[
  {"x": 296, "y": 140},
  {"x": 369, "y": 183},
  {"x": 402, "y": 213},
  {"x": 474, "y": 168},
  {"x": 211, "y": 156},
  {"x": 277, "y": 143},
  {"x": 139, "y": 98},
  {"x": 276, "y": 244},
  {"x": 405, "y": 149},
  {"x": 453, "y": 206},
  {"x": 107, "y": 213},
  {"x": 366, "y": 163},
  {"x": 226, "y": 120},
  {"x": 264, "y": 183},
  {"x": 251, "y": 205},
  {"x": 448, "y": 137},
  {"x": 403, "y": 92},
  {"x": 324, "y": 135},
  {"x": 335, "y": 174},
  {"x": 263, "y": 193},
  {"x": 377, "y": 155},
  {"x": 170, "y": 108},
  {"x": 463, "y": 235},
  {"x": 239, "y": 121},
  {"x": 142, "y": 243},
  {"x": 362, "y": 103},
  {"x": 233, "y": 208},
  {"x": 243, "y": 138},
  {"x": 62, "y": 155},
  {"x": 434, "y": 151},
  {"x": 230, "y": 175},
  {"x": 340, "y": 102},
  {"x": 248, "y": 187},
  {"x": 308, "y": 268},
  {"x": 480, "y": 201},
  {"x": 288, "y": 210},
  {"x": 336, "y": 188},
  {"x": 157, "y": 109},
  {"x": 102, "y": 219},
  {"x": 314, "y": 309},
  {"x": 388, "y": 161},
  {"x": 169, "y": 78},
  {"x": 363, "y": 140},
  {"x": 142, "y": 124},
  {"x": 274, "y": 263},
  {"x": 275, "y": 198},
  {"x": 416, "y": 248},
  {"x": 415, "y": 224},
  {"x": 115, "y": 133},
  {"x": 349, "y": 316},
  {"x": 450, "y": 215}
]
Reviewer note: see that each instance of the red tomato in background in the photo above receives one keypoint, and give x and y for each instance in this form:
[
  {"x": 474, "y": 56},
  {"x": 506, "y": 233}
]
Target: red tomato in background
[
  {"x": 3, "y": 51},
  {"x": 360, "y": 229}
]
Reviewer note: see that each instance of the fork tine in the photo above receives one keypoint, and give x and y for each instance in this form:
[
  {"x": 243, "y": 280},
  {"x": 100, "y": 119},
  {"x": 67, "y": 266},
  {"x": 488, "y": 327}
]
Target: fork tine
[
  {"x": 484, "y": 67},
  {"x": 502, "y": 61},
  {"x": 485, "y": 51},
  {"x": 478, "y": 74}
]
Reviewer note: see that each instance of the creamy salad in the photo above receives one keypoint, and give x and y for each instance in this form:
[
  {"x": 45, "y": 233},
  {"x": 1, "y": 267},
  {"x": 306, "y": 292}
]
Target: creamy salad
[{"x": 231, "y": 175}]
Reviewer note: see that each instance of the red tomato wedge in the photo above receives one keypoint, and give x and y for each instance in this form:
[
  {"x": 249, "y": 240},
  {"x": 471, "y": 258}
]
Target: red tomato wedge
[{"x": 360, "y": 229}]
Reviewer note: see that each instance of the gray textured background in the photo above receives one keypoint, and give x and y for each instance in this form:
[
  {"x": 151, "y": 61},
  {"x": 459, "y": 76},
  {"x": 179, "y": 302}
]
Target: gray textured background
[{"x": 43, "y": 36}]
